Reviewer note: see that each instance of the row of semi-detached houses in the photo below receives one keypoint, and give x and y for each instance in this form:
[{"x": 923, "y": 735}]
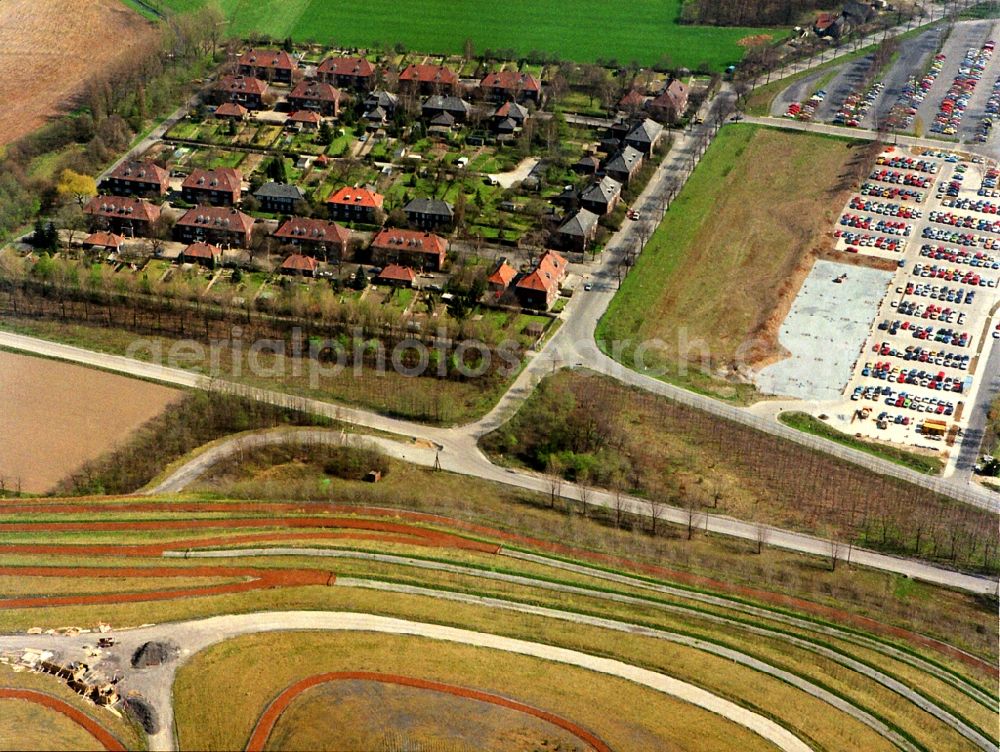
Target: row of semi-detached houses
[{"x": 256, "y": 68}]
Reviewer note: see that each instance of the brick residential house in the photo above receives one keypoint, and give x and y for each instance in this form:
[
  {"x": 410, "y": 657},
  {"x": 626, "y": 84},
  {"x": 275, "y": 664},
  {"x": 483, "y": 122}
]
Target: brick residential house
[
  {"x": 420, "y": 250},
  {"x": 315, "y": 95},
  {"x": 623, "y": 165},
  {"x": 395, "y": 275},
  {"x": 132, "y": 178},
  {"x": 316, "y": 237},
  {"x": 429, "y": 213},
  {"x": 297, "y": 264},
  {"x": 347, "y": 73},
  {"x": 205, "y": 254},
  {"x": 243, "y": 90},
  {"x": 279, "y": 198},
  {"x": 501, "y": 278},
  {"x": 231, "y": 111},
  {"x": 645, "y": 136},
  {"x": 354, "y": 205},
  {"x": 540, "y": 288},
  {"x": 513, "y": 85},
  {"x": 602, "y": 196},
  {"x": 269, "y": 65},
  {"x": 304, "y": 119},
  {"x": 220, "y": 187},
  {"x": 122, "y": 215},
  {"x": 578, "y": 230},
  {"x": 219, "y": 225},
  {"x": 429, "y": 79},
  {"x": 671, "y": 103}
]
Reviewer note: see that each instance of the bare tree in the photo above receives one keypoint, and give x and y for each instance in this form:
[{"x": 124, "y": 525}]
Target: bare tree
[
  {"x": 583, "y": 483},
  {"x": 555, "y": 471},
  {"x": 656, "y": 510},
  {"x": 760, "y": 535}
]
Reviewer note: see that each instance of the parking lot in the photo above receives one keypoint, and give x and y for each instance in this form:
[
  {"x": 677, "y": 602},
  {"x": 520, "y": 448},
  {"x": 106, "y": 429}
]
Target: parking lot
[{"x": 938, "y": 217}]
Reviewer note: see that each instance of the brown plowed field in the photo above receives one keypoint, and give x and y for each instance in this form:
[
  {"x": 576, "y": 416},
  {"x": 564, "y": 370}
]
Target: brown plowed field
[{"x": 50, "y": 48}]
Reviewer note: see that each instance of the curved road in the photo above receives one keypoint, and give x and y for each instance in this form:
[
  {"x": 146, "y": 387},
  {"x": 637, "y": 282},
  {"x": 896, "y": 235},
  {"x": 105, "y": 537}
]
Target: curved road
[{"x": 155, "y": 684}]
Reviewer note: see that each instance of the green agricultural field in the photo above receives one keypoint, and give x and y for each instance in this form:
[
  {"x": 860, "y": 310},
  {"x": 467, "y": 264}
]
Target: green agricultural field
[{"x": 642, "y": 30}]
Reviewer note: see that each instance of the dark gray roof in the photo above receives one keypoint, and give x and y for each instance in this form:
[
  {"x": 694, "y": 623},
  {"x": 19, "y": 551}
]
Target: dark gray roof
[
  {"x": 580, "y": 224},
  {"x": 429, "y": 206},
  {"x": 624, "y": 161},
  {"x": 443, "y": 119},
  {"x": 450, "y": 104},
  {"x": 645, "y": 132},
  {"x": 377, "y": 113},
  {"x": 280, "y": 190},
  {"x": 603, "y": 191},
  {"x": 384, "y": 99}
]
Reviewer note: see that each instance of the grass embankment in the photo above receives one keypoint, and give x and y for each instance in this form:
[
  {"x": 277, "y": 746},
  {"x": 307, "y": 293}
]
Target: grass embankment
[
  {"x": 810, "y": 424},
  {"x": 719, "y": 273},
  {"x": 598, "y": 31},
  {"x": 618, "y": 711},
  {"x": 584, "y": 425},
  {"x": 424, "y": 398}
]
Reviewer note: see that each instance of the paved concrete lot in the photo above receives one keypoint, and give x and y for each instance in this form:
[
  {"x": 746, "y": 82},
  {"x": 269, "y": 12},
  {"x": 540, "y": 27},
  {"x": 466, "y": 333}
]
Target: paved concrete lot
[
  {"x": 798, "y": 91},
  {"x": 825, "y": 330},
  {"x": 964, "y": 36},
  {"x": 847, "y": 80}
]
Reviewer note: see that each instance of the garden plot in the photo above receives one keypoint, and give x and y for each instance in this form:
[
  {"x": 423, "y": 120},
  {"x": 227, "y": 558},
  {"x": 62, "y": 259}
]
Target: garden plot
[{"x": 827, "y": 324}]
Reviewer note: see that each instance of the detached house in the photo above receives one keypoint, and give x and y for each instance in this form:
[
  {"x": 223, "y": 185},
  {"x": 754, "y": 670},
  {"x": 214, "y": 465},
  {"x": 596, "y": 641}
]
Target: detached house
[
  {"x": 347, "y": 73},
  {"x": 304, "y": 120},
  {"x": 672, "y": 102},
  {"x": 395, "y": 275},
  {"x": 501, "y": 278},
  {"x": 315, "y": 237},
  {"x": 539, "y": 288},
  {"x": 645, "y": 136},
  {"x": 221, "y": 187},
  {"x": 270, "y": 65},
  {"x": 279, "y": 198},
  {"x": 508, "y": 118},
  {"x": 419, "y": 250},
  {"x": 218, "y": 225},
  {"x": 122, "y": 215},
  {"x": 624, "y": 165},
  {"x": 231, "y": 111},
  {"x": 444, "y": 112},
  {"x": 299, "y": 265},
  {"x": 579, "y": 230},
  {"x": 242, "y": 90},
  {"x": 132, "y": 178},
  {"x": 429, "y": 79},
  {"x": 380, "y": 107},
  {"x": 601, "y": 197},
  {"x": 429, "y": 213},
  {"x": 205, "y": 254},
  {"x": 354, "y": 205},
  {"x": 315, "y": 95},
  {"x": 513, "y": 85}
]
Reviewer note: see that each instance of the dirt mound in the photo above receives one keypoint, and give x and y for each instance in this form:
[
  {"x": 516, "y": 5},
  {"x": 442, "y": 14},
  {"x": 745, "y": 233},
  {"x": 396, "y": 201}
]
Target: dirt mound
[
  {"x": 153, "y": 654},
  {"x": 142, "y": 713}
]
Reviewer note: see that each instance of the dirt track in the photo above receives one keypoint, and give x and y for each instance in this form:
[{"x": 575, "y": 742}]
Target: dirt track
[
  {"x": 40, "y": 698},
  {"x": 273, "y": 712},
  {"x": 48, "y": 50}
]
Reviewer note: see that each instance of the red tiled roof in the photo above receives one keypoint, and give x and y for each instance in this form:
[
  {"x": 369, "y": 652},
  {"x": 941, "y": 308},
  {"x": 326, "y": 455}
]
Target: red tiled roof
[
  {"x": 142, "y": 172},
  {"x": 398, "y": 273},
  {"x": 315, "y": 90},
  {"x": 503, "y": 275},
  {"x": 538, "y": 280},
  {"x": 346, "y": 66},
  {"x": 393, "y": 238},
  {"x": 121, "y": 206},
  {"x": 317, "y": 230},
  {"x": 552, "y": 262},
  {"x": 299, "y": 263},
  {"x": 306, "y": 116},
  {"x": 278, "y": 59},
  {"x": 242, "y": 84},
  {"x": 104, "y": 239},
  {"x": 429, "y": 74},
  {"x": 230, "y": 109},
  {"x": 221, "y": 217},
  {"x": 202, "y": 250},
  {"x": 511, "y": 80},
  {"x": 632, "y": 99},
  {"x": 356, "y": 197},
  {"x": 221, "y": 179}
]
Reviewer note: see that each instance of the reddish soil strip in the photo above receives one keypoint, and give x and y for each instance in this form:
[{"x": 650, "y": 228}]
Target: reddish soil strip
[
  {"x": 438, "y": 538},
  {"x": 256, "y": 579},
  {"x": 662, "y": 573},
  {"x": 273, "y": 712},
  {"x": 54, "y": 703}
]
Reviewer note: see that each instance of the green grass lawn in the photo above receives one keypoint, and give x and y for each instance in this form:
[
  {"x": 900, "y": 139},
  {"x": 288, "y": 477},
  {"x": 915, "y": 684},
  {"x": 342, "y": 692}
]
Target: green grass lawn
[
  {"x": 642, "y": 30},
  {"x": 809, "y": 424},
  {"x": 717, "y": 267}
]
